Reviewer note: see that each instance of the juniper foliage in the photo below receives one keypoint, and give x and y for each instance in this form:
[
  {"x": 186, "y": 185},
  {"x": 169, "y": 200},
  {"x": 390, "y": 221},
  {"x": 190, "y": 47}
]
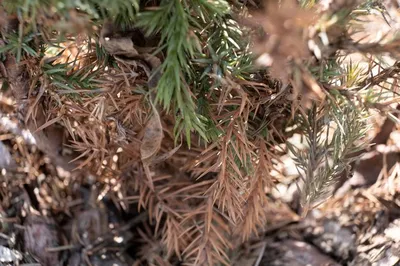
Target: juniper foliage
[{"x": 230, "y": 86}]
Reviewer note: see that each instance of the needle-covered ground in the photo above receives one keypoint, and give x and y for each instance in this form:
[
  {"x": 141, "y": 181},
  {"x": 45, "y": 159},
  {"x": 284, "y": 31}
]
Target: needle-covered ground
[{"x": 197, "y": 132}]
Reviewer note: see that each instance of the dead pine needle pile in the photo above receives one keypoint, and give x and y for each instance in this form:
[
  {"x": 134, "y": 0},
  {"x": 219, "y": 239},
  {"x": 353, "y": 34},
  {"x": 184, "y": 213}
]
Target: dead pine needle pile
[{"x": 198, "y": 132}]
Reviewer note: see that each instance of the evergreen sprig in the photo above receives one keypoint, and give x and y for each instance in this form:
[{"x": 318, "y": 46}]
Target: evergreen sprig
[
  {"x": 67, "y": 80},
  {"x": 19, "y": 45},
  {"x": 186, "y": 29},
  {"x": 333, "y": 133}
]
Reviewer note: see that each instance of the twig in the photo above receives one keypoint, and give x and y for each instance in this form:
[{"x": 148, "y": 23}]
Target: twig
[
  {"x": 60, "y": 248},
  {"x": 261, "y": 254}
]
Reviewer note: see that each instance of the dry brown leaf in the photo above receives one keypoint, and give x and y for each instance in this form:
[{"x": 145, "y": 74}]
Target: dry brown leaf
[
  {"x": 153, "y": 136},
  {"x": 116, "y": 45},
  {"x": 151, "y": 143}
]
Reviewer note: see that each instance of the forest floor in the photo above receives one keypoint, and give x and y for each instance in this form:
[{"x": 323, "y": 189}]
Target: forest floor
[{"x": 358, "y": 225}]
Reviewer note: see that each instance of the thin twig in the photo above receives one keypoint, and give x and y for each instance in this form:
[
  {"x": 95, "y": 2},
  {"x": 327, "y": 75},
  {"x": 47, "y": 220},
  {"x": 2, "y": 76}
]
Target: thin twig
[{"x": 260, "y": 256}]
